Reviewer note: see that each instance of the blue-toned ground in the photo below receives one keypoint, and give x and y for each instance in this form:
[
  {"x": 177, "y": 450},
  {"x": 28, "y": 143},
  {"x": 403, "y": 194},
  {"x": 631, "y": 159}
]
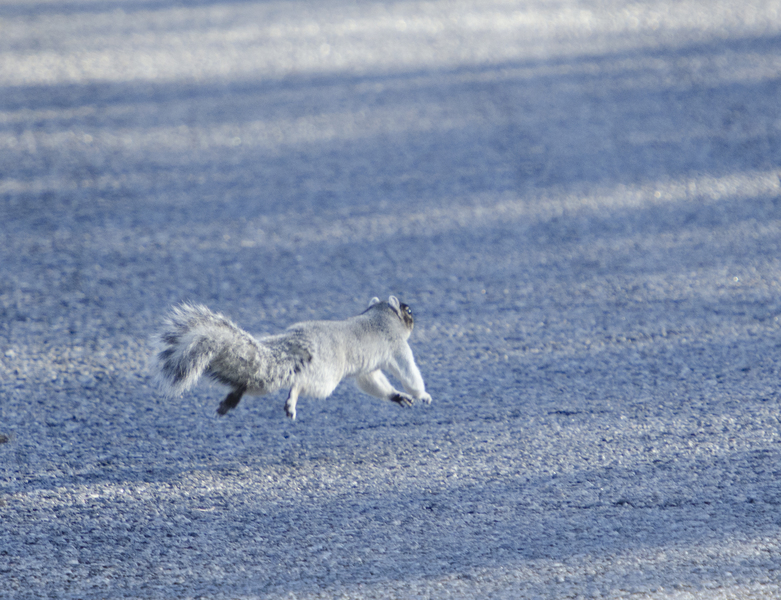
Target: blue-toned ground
[{"x": 581, "y": 202}]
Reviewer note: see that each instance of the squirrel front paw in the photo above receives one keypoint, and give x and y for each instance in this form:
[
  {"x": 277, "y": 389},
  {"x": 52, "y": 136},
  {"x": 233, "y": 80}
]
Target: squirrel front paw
[
  {"x": 426, "y": 398},
  {"x": 403, "y": 399}
]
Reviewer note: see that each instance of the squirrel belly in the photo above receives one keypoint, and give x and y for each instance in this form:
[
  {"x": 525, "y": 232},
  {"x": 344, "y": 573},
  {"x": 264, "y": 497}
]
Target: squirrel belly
[{"x": 309, "y": 358}]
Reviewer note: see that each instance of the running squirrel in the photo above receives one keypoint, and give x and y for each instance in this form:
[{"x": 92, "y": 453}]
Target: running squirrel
[{"x": 309, "y": 358}]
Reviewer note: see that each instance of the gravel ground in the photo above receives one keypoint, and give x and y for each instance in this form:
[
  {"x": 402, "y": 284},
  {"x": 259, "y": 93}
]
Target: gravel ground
[{"x": 579, "y": 199}]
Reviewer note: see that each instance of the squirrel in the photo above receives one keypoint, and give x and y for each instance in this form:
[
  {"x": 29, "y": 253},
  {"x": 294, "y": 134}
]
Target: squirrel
[{"x": 310, "y": 358}]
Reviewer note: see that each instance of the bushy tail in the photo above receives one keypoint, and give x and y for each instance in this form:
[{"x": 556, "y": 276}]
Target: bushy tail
[{"x": 194, "y": 341}]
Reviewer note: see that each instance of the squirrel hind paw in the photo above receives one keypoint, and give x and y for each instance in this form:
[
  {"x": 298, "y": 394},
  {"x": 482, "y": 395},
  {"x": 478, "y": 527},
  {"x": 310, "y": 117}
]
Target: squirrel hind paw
[
  {"x": 223, "y": 408},
  {"x": 231, "y": 400}
]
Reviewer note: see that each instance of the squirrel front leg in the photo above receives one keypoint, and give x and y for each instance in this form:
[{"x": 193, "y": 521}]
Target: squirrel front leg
[
  {"x": 403, "y": 366},
  {"x": 376, "y": 384}
]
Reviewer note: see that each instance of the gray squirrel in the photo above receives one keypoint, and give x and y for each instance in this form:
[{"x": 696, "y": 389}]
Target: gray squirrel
[{"x": 310, "y": 358}]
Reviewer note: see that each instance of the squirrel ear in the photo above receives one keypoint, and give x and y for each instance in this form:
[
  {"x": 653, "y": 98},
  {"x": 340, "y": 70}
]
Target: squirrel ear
[
  {"x": 394, "y": 302},
  {"x": 373, "y": 301}
]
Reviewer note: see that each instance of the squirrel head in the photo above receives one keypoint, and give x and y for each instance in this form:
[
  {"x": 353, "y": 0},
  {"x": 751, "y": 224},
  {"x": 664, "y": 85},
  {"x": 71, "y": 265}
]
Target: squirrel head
[{"x": 403, "y": 311}]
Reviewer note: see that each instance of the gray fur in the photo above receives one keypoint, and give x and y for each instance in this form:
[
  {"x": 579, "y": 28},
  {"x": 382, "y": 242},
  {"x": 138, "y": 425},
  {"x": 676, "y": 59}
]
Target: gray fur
[{"x": 309, "y": 358}]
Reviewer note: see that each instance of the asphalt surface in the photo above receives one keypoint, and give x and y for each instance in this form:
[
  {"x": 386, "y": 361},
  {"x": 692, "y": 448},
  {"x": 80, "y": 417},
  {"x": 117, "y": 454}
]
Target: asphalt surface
[{"x": 580, "y": 201}]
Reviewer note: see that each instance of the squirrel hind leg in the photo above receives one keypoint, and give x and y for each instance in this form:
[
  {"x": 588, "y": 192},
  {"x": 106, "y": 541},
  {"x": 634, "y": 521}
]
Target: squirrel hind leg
[
  {"x": 231, "y": 400},
  {"x": 290, "y": 403}
]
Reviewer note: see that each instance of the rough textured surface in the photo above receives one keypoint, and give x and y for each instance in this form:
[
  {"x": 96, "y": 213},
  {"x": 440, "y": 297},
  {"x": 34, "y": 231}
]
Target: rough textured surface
[{"x": 580, "y": 201}]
